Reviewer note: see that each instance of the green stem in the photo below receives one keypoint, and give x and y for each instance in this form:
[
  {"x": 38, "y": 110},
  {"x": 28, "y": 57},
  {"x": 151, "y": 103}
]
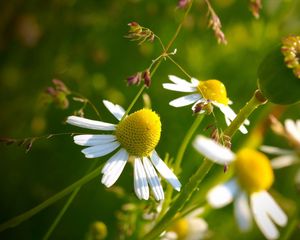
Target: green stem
[
  {"x": 205, "y": 167},
  {"x": 256, "y": 100},
  {"x": 160, "y": 60},
  {"x": 66, "y": 206},
  {"x": 25, "y": 216},
  {"x": 61, "y": 213},
  {"x": 185, "y": 142},
  {"x": 290, "y": 229},
  {"x": 182, "y": 198},
  {"x": 181, "y": 68}
]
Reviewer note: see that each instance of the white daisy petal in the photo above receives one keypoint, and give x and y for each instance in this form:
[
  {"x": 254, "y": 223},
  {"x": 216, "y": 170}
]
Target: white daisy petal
[
  {"x": 222, "y": 195},
  {"x": 90, "y": 124},
  {"x": 284, "y": 161},
  {"x": 298, "y": 126},
  {"x": 195, "y": 82},
  {"x": 119, "y": 156},
  {"x": 179, "y": 81},
  {"x": 110, "y": 177},
  {"x": 230, "y": 115},
  {"x": 197, "y": 229},
  {"x": 93, "y": 139},
  {"x": 185, "y": 100},
  {"x": 140, "y": 180},
  {"x": 163, "y": 169},
  {"x": 261, "y": 217},
  {"x": 179, "y": 88},
  {"x": 153, "y": 179},
  {"x": 242, "y": 211},
  {"x": 275, "y": 150},
  {"x": 273, "y": 209},
  {"x": 292, "y": 129},
  {"x": 115, "y": 109},
  {"x": 212, "y": 150},
  {"x": 100, "y": 150}
]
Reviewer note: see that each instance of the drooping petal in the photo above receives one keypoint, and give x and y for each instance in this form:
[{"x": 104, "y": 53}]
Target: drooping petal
[
  {"x": 292, "y": 129},
  {"x": 111, "y": 176},
  {"x": 117, "y": 157},
  {"x": 284, "y": 161},
  {"x": 275, "y": 150},
  {"x": 242, "y": 211},
  {"x": 115, "y": 109},
  {"x": 140, "y": 180},
  {"x": 179, "y": 88},
  {"x": 100, "y": 150},
  {"x": 273, "y": 209},
  {"x": 212, "y": 150},
  {"x": 153, "y": 179},
  {"x": 185, "y": 100},
  {"x": 163, "y": 169},
  {"x": 222, "y": 195},
  {"x": 230, "y": 115},
  {"x": 261, "y": 217},
  {"x": 93, "y": 139},
  {"x": 90, "y": 124}
]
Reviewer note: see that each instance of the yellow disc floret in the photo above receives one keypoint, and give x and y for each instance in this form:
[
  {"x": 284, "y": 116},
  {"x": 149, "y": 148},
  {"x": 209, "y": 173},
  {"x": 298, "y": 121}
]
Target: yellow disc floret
[
  {"x": 253, "y": 170},
  {"x": 181, "y": 228},
  {"x": 213, "y": 90},
  {"x": 139, "y": 133}
]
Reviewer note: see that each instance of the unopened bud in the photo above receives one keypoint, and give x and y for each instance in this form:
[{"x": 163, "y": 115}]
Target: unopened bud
[{"x": 147, "y": 78}]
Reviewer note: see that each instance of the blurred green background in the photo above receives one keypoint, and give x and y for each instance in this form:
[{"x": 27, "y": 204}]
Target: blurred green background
[{"x": 82, "y": 43}]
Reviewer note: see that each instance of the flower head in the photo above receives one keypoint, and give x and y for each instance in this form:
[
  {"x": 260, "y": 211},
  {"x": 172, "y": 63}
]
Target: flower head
[
  {"x": 254, "y": 176},
  {"x": 205, "y": 95},
  {"x": 136, "y": 137},
  {"x": 291, "y": 51},
  {"x": 190, "y": 227},
  {"x": 286, "y": 157}
]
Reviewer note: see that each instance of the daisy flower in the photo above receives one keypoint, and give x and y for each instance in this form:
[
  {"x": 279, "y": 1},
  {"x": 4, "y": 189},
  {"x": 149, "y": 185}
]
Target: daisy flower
[
  {"x": 286, "y": 157},
  {"x": 135, "y": 137},
  {"x": 190, "y": 227},
  {"x": 205, "y": 95},
  {"x": 248, "y": 190}
]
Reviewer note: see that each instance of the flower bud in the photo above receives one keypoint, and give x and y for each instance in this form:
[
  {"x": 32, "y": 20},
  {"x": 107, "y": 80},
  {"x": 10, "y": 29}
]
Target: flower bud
[{"x": 278, "y": 77}]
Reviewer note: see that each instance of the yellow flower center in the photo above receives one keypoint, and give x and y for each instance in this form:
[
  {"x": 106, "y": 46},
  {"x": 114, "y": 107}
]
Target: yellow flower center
[
  {"x": 213, "y": 90},
  {"x": 181, "y": 228},
  {"x": 139, "y": 133},
  {"x": 253, "y": 170}
]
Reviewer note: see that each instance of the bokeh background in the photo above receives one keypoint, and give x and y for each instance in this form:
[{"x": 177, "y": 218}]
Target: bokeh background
[{"x": 82, "y": 43}]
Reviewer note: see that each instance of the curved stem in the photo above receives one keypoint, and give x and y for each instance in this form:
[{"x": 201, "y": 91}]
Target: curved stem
[
  {"x": 160, "y": 60},
  {"x": 205, "y": 167},
  {"x": 66, "y": 206},
  {"x": 26, "y": 215},
  {"x": 185, "y": 142}
]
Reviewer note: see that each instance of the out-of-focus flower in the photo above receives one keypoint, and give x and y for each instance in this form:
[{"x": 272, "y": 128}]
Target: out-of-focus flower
[
  {"x": 215, "y": 24},
  {"x": 59, "y": 94},
  {"x": 183, "y": 3},
  {"x": 279, "y": 73},
  {"x": 97, "y": 231},
  {"x": 254, "y": 176},
  {"x": 206, "y": 94},
  {"x": 190, "y": 227},
  {"x": 286, "y": 157},
  {"x": 139, "y": 33},
  {"x": 28, "y": 30},
  {"x": 255, "y": 6},
  {"x": 137, "y": 136},
  {"x": 291, "y": 51}
]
